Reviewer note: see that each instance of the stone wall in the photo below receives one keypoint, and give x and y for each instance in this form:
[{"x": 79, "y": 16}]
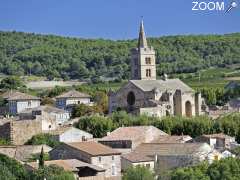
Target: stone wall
[
  {"x": 5, "y": 131},
  {"x": 22, "y": 131},
  {"x": 19, "y": 132}
]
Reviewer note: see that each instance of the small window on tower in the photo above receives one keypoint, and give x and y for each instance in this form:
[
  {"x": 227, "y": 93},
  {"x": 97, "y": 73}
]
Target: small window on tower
[
  {"x": 148, "y": 60},
  {"x": 148, "y": 72}
]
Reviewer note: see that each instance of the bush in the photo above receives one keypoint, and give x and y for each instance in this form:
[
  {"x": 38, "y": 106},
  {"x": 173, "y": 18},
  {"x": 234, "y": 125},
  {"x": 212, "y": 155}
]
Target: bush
[
  {"x": 51, "y": 172},
  {"x": 138, "y": 173},
  {"x": 12, "y": 168},
  {"x": 225, "y": 169},
  {"x": 47, "y": 139}
]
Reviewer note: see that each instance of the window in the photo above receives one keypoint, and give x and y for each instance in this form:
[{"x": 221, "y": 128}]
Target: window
[
  {"x": 148, "y": 165},
  {"x": 148, "y": 60},
  {"x": 148, "y": 72},
  {"x": 113, "y": 158},
  {"x": 29, "y": 103},
  {"x": 99, "y": 159},
  {"x": 113, "y": 170}
]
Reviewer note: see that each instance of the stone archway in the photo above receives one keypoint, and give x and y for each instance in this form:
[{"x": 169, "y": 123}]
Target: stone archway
[{"x": 188, "y": 109}]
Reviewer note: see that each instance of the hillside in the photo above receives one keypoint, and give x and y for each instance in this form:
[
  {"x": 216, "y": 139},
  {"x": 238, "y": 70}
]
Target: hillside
[{"x": 48, "y": 55}]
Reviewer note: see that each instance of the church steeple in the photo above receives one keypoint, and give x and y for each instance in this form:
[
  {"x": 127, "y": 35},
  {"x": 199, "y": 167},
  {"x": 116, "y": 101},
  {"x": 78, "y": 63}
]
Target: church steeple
[
  {"x": 142, "y": 40},
  {"x": 143, "y": 59}
]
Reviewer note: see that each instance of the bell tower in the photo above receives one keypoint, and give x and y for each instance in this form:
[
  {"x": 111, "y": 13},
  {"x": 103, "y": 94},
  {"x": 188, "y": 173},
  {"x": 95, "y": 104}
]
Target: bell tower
[{"x": 143, "y": 65}]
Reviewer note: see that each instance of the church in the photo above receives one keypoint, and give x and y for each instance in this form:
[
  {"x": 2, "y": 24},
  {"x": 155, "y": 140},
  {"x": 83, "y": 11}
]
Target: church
[{"x": 145, "y": 94}]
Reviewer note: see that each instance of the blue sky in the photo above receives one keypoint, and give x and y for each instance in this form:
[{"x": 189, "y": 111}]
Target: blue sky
[{"x": 114, "y": 19}]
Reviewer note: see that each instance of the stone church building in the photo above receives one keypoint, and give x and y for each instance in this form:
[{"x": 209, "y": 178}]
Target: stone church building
[{"x": 144, "y": 94}]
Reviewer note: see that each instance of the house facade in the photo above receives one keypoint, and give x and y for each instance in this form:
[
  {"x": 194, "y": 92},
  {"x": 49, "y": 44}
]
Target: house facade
[
  {"x": 218, "y": 141},
  {"x": 70, "y": 135},
  {"x": 69, "y": 99},
  {"x": 18, "y": 102},
  {"x": 144, "y": 94},
  {"x": 60, "y": 115},
  {"x": 161, "y": 157},
  {"x": 90, "y": 152}
]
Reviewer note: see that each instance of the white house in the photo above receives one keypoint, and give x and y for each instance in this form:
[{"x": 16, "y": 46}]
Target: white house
[
  {"x": 18, "y": 102},
  {"x": 60, "y": 115},
  {"x": 69, "y": 99},
  {"x": 71, "y": 134}
]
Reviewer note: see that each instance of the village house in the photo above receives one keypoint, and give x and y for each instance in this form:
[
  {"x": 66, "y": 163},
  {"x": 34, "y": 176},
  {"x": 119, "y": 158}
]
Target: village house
[
  {"x": 144, "y": 94},
  {"x": 69, "y": 134},
  {"x": 160, "y": 157},
  {"x": 60, "y": 115},
  {"x": 18, "y": 102},
  {"x": 23, "y": 153},
  {"x": 80, "y": 169},
  {"x": 218, "y": 141},
  {"x": 172, "y": 139},
  {"x": 125, "y": 139},
  {"x": 69, "y": 99},
  {"x": 90, "y": 152}
]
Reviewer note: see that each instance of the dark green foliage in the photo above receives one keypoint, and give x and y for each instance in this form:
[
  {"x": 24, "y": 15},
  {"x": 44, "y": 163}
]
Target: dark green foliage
[
  {"x": 41, "y": 159},
  {"x": 138, "y": 173},
  {"x": 47, "y": 139},
  {"x": 11, "y": 82},
  {"x": 12, "y": 168},
  {"x": 96, "y": 125},
  {"x": 36, "y": 157},
  {"x": 4, "y": 141},
  {"x": 57, "y": 90},
  {"x": 195, "y": 126},
  {"x": 82, "y": 110},
  {"x": 51, "y": 172},
  {"x": 5, "y": 174},
  {"x": 54, "y": 56},
  {"x": 225, "y": 169}
]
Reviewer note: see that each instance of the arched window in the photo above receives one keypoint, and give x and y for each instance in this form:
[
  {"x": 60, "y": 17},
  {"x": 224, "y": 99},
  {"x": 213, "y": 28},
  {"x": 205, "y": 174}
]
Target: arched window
[
  {"x": 131, "y": 98},
  {"x": 188, "y": 109}
]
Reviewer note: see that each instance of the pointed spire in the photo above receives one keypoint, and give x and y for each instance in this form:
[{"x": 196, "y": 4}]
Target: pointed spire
[{"x": 142, "y": 40}]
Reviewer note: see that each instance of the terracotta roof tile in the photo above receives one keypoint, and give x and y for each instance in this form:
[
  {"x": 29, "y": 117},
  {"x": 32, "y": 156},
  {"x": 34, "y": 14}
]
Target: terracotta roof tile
[
  {"x": 93, "y": 148},
  {"x": 68, "y": 164},
  {"x": 15, "y": 95},
  {"x": 73, "y": 94},
  {"x": 133, "y": 133}
]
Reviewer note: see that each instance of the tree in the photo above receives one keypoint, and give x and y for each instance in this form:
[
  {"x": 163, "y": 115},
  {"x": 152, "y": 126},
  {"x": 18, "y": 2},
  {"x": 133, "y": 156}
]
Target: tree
[
  {"x": 82, "y": 110},
  {"x": 41, "y": 158},
  {"x": 11, "y": 82},
  {"x": 138, "y": 173}
]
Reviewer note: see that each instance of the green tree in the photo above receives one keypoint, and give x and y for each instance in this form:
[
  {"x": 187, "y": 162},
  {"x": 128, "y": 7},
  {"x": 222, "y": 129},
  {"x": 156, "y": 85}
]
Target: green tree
[
  {"x": 41, "y": 159},
  {"x": 138, "y": 173},
  {"x": 11, "y": 82}
]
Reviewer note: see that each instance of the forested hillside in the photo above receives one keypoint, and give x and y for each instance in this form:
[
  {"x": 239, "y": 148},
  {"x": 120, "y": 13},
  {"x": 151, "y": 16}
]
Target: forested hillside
[{"x": 48, "y": 55}]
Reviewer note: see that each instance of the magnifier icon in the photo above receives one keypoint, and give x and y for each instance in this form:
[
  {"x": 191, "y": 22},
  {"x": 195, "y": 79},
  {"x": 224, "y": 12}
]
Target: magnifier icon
[{"x": 232, "y": 5}]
